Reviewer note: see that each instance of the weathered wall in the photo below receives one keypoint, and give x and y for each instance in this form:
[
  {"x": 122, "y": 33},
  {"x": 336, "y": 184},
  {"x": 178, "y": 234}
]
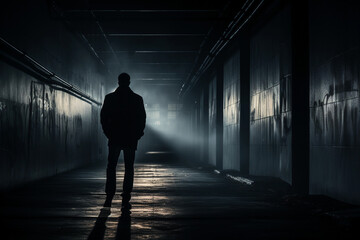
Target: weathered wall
[
  {"x": 334, "y": 37},
  {"x": 270, "y": 107},
  {"x": 231, "y": 112},
  {"x": 44, "y": 131},
  {"x": 212, "y": 121},
  {"x": 203, "y": 141},
  {"x": 334, "y": 99}
]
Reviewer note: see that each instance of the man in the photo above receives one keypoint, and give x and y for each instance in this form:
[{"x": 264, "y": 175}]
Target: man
[{"x": 123, "y": 121}]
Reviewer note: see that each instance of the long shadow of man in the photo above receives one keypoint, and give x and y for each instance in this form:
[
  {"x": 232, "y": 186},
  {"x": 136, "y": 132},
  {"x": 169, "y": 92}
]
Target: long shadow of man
[
  {"x": 99, "y": 228},
  {"x": 124, "y": 228},
  {"x": 123, "y": 121}
]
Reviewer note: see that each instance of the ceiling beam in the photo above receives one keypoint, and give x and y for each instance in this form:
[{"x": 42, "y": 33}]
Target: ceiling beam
[
  {"x": 143, "y": 45},
  {"x": 154, "y": 5},
  {"x": 148, "y": 34},
  {"x": 173, "y": 68},
  {"x": 149, "y": 57},
  {"x": 143, "y": 11},
  {"x": 169, "y": 15},
  {"x": 158, "y": 75},
  {"x": 158, "y": 83},
  {"x": 161, "y": 63},
  {"x": 150, "y": 26},
  {"x": 158, "y": 79},
  {"x": 105, "y": 37}
]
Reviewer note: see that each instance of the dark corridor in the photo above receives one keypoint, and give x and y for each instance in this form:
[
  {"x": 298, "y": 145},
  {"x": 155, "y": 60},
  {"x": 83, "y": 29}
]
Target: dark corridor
[
  {"x": 170, "y": 201},
  {"x": 252, "y": 119}
]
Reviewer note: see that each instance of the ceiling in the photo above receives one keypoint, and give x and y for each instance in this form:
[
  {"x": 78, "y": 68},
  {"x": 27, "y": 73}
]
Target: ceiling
[{"x": 157, "y": 42}]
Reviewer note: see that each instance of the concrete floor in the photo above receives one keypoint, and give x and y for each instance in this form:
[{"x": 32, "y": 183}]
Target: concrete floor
[{"x": 170, "y": 201}]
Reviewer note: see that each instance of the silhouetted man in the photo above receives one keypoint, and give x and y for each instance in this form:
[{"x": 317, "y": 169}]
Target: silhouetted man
[{"x": 123, "y": 121}]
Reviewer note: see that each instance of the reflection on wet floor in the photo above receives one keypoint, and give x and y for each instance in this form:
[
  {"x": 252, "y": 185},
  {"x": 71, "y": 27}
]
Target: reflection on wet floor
[{"x": 170, "y": 201}]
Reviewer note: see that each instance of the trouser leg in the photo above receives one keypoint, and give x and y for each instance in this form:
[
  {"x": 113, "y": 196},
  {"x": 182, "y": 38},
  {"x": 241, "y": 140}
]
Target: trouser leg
[
  {"x": 113, "y": 156},
  {"x": 129, "y": 157}
]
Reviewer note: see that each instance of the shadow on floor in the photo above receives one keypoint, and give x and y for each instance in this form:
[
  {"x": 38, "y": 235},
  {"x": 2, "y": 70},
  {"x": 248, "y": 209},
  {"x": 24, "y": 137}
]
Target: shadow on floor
[
  {"x": 123, "y": 228},
  {"x": 99, "y": 228}
]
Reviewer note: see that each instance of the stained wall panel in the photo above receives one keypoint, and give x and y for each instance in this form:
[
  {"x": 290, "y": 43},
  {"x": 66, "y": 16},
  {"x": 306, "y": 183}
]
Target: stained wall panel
[
  {"x": 43, "y": 130},
  {"x": 204, "y": 124},
  {"x": 270, "y": 98},
  {"x": 212, "y": 121},
  {"x": 334, "y": 99},
  {"x": 231, "y": 112}
]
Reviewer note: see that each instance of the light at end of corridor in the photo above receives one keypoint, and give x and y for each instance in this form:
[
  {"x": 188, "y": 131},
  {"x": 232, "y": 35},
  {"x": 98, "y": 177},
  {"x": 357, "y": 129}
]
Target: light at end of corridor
[{"x": 158, "y": 152}]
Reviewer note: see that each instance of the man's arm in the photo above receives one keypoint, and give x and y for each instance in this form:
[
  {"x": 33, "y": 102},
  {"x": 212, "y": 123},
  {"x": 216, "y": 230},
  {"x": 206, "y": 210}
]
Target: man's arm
[
  {"x": 104, "y": 117},
  {"x": 141, "y": 117}
]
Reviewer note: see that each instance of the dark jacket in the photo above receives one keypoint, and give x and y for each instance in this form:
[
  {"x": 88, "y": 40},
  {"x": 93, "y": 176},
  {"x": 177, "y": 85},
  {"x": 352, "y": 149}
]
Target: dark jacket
[{"x": 123, "y": 118}]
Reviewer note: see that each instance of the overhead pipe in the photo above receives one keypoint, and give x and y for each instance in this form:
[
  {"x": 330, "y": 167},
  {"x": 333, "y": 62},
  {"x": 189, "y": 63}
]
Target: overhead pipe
[
  {"x": 105, "y": 36},
  {"x": 40, "y": 69},
  {"x": 202, "y": 45},
  {"x": 225, "y": 38},
  {"x": 82, "y": 36},
  {"x": 211, "y": 54}
]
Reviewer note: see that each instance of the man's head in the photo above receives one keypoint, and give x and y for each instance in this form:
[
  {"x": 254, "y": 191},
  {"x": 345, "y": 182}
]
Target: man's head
[{"x": 124, "y": 80}]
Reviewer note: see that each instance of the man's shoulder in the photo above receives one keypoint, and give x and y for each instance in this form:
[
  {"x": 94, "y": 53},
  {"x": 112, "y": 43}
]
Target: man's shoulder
[
  {"x": 110, "y": 95},
  {"x": 137, "y": 96}
]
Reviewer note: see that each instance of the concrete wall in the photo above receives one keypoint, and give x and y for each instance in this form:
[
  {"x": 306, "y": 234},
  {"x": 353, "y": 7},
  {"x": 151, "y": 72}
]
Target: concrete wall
[
  {"x": 231, "y": 112},
  {"x": 270, "y": 97},
  {"x": 202, "y": 129},
  {"x": 334, "y": 103},
  {"x": 212, "y": 121},
  {"x": 45, "y": 131},
  {"x": 334, "y": 99}
]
